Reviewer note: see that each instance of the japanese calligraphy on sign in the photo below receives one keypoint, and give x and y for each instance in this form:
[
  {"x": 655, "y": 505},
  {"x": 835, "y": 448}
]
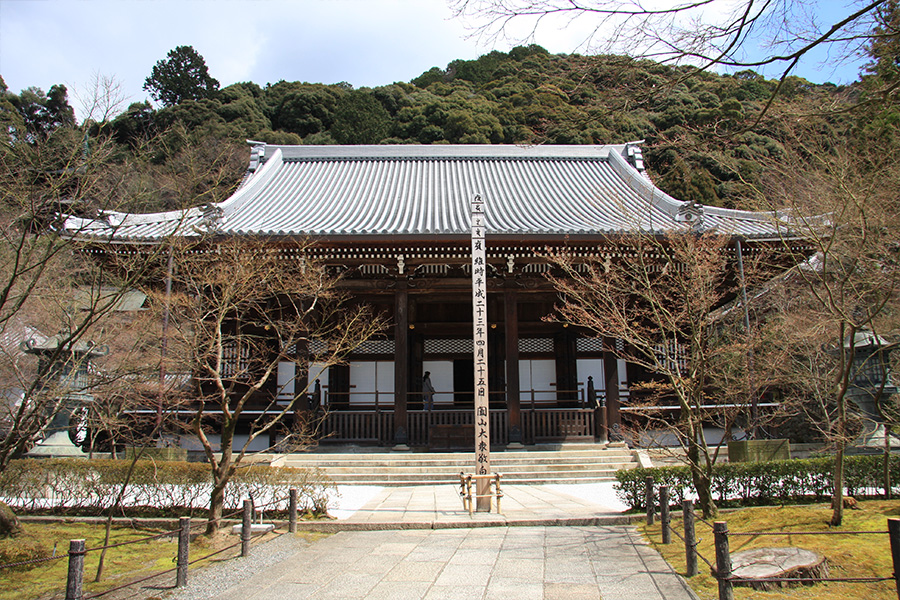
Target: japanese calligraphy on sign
[{"x": 480, "y": 345}]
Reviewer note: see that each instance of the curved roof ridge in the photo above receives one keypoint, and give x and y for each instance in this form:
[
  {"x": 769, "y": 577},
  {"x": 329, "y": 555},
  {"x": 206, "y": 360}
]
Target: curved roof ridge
[
  {"x": 448, "y": 151},
  {"x": 252, "y": 185}
]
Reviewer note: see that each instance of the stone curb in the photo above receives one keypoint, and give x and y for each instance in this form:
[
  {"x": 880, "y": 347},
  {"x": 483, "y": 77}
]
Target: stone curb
[{"x": 337, "y": 526}]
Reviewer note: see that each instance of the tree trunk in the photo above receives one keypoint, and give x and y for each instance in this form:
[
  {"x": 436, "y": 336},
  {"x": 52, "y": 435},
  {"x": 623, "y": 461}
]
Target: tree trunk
[
  {"x": 216, "y": 502},
  {"x": 703, "y": 485},
  {"x": 222, "y": 473},
  {"x": 700, "y": 475},
  {"x": 837, "y": 499}
]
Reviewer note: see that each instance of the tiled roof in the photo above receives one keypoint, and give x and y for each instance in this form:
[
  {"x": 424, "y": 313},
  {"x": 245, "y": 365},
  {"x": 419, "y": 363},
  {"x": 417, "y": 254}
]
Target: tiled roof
[{"x": 416, "y": 191}]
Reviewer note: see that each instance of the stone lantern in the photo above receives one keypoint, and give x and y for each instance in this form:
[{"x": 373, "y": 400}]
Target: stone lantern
[
  {"x": 66, "y": 374},
  {"x": 871, "y": 383}
]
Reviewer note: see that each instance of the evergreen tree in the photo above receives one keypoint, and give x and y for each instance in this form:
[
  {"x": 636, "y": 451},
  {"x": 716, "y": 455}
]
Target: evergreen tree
[{"x": 182, "y": 75}]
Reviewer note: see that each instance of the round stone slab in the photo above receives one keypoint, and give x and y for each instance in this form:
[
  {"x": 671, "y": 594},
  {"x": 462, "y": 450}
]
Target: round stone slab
[{"x": 767, "y": 563}]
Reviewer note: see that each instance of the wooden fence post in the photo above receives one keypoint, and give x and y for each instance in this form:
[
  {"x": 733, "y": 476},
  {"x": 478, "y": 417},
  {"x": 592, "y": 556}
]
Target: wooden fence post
[
  {"x": 894, "y": 534},
  {"x": 292, "y": 511},
  {"x": 723, "y": 560},
  {"x": 648, "y": 498},
  {"x": 246, "y": 525},
  {"x": 184, "y": 545},
  {"x": 690, "y": 538},
  {"x": 75, "y": 576},
  {"x": 664, "y": 514}
]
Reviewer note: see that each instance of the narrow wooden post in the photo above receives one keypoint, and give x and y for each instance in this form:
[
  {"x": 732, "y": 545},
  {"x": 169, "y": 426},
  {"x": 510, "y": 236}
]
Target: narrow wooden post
[
  {"x": 246, "y": 527},
  {"x": 292, "y": 511},
  {"x": 75, "y": 576},
  {"x": 648, "y": 499},
  {"x": 690, "y": 538},
  {"x": 894, "y": 534},
  {"x": 886, "y": 466},
  {"x": 664, "y": 514},
  {"x": 184, "y": 544},
  {"x": 723, "y": 560}
]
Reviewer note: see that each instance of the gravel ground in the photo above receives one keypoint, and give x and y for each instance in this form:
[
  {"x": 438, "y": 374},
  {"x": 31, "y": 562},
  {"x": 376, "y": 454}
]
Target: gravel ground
[{"x": 212, "y": 580}]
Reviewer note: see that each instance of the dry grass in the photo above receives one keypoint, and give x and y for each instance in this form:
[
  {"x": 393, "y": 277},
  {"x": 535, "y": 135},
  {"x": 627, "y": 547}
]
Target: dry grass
[
  {"x": 47, "y": 580},
  {"x": 848, "y": 555}
]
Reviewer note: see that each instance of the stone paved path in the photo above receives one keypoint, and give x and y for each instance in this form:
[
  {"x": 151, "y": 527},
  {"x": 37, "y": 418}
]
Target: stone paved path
[{"x": 418, "y": 543}]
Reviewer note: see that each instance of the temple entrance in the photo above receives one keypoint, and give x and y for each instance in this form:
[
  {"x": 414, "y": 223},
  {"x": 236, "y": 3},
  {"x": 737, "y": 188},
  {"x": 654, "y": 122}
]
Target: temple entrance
[{"x": 463, "y": 383}]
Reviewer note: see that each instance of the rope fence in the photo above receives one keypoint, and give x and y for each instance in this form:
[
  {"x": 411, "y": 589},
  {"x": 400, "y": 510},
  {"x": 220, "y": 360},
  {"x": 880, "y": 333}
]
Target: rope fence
[
  {"x": 78, "y": 551},
  {"x": 721, "y": 568}
]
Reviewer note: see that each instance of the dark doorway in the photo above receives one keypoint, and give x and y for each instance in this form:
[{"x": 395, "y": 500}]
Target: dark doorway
[{"x": 464, "y": 382}]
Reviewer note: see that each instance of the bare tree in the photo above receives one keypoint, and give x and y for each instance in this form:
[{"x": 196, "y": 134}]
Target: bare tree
[
  {"x": 844, "y": 205},
  {"x": 238, "y": 309},
  {"x": 44, "y": 177},
  {"x": 748, "y": 34},
  {"x": 658, "y": 296}
]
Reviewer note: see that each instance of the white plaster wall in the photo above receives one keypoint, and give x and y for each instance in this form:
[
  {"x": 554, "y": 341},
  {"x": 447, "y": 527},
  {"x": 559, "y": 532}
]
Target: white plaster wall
[
  {"x": 441, "y": 379},
  {"x": 538, "y": 375},
  {"x": 367, "y": 377}
]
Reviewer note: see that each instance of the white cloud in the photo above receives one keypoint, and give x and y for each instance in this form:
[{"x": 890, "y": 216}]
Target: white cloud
[{"x": 363, "y": 42}]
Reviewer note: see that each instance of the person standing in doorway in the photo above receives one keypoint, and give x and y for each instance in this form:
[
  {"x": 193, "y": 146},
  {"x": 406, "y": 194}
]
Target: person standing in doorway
[{"x": 428, "y": 391}]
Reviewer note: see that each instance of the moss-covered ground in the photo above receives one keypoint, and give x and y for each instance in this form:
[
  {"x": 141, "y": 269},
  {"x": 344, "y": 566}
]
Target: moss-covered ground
[{"x": 848, "y": 555}]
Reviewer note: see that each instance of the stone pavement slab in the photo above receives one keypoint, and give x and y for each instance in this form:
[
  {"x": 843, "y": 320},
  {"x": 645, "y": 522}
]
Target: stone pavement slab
[
  {"x": 565, "y": 563},
  {"x": 440, "y": 506}
]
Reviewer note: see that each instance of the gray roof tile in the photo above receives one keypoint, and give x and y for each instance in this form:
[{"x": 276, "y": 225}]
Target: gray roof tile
[{"x": 346, "y": 191}]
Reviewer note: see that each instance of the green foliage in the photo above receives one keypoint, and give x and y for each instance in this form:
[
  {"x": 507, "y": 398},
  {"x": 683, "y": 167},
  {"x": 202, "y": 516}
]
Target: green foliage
[
  {"x": 182, "y": 75},
  {"x": 762, "y": 483},
  {"x": 135, "y": 125},
  {"x": 35, "y": 115},
  {"x": 360, "y": 118},
  {"x": 692, "y": 122},
  {"x": 305, "y": 108},
  {"x": 90, "y": 487}
]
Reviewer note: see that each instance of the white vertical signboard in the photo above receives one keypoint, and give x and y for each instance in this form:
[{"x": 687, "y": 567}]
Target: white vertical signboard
[{"x": 480, "y": 343}]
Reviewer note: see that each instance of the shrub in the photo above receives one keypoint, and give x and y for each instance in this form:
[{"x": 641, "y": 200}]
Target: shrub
[
  {"x": 762, "y": 483},
  {"x": 90, "y": 486}
]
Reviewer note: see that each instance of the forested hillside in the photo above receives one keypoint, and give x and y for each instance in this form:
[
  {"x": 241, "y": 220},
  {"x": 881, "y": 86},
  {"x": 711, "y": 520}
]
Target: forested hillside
[{"x": 706, "y": 135}]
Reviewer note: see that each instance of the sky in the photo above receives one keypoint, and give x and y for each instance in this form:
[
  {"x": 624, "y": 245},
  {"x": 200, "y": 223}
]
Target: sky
[{"x": 361, "y": 42}]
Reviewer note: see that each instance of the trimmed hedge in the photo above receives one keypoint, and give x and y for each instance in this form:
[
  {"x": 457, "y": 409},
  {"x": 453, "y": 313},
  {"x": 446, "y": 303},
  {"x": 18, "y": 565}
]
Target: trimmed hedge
[
  {"x": 90, "y": 486},
  {"x": 773, "y": 482}
]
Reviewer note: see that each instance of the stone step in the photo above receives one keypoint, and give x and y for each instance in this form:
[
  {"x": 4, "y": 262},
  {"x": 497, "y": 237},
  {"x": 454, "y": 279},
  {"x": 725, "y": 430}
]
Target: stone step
[
  {"x": 559, "y": 463},
  {"x": 399, "y": 479},
  {"x": 395, "y": 463},
  {"x": 456, "y": 468}
]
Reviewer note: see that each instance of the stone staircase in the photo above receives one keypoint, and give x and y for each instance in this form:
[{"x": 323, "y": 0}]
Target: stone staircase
[{"x": 539, "y": 464}]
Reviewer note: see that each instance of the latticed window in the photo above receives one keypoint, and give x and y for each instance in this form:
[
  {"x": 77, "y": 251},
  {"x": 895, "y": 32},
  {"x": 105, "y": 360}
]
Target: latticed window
[
  {"x": 592, "y": 345},
  {"x": 376, "y": 347},
  {"x": 235, "y": 359},
  {"x": 535, "y": 345},
  {"x": 448, "y": 346},
  {"x": 673, "y": 356}
]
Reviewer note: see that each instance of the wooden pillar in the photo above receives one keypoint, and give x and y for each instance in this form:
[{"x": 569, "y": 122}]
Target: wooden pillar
[
  {"x": 513, "y": 396},
  {"x": 566, "y": 380},
  {"x": 401, "y": 364},
  {"x": 611, "y": 370}
]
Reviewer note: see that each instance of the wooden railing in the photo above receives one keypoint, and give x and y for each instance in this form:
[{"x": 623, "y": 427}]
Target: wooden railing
[{"x": 377, "y": 426}]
